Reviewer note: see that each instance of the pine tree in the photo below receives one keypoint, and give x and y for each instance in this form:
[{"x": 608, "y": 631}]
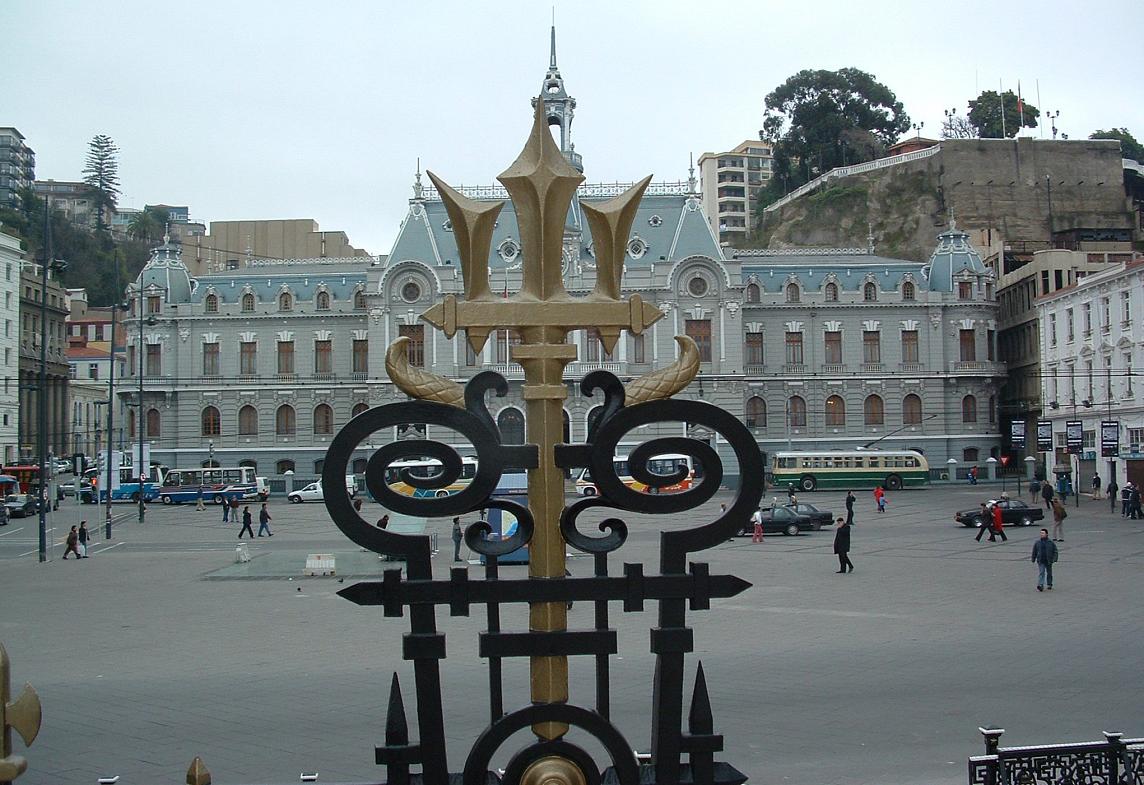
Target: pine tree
[{"x": 101, "y": 173}]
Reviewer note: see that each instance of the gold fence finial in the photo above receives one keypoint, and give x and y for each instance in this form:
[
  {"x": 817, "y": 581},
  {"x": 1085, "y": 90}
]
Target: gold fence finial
[
  {"x": 21, "y": 715},
  {"x": 197, "y": 773}
]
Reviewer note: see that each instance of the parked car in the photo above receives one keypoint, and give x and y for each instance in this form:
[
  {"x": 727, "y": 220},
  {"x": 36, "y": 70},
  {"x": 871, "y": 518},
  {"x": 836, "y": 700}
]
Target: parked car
[
  {"x": 313, "y": 491},
  {"x": 21, "y": 505},
  {"x": 823, "y": 519},
  {"x": 781, "y": 520},
  {"x": 63, "y": 467},
  {"x": 1013, "y": 513},
  {"x": 67, "y": 488}
]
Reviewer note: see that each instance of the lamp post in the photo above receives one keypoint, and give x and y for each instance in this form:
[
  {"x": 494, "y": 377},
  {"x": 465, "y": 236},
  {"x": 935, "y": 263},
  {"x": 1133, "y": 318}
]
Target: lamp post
[
  {"x": 42, "y": 414},
  {"x": 918, "y": 127},
  {"x": 210, "y": 454},
  {"x": 141, "y": 470},
  {"x": 1053, "y": 120},
  {"x": 115, "y": 308}
]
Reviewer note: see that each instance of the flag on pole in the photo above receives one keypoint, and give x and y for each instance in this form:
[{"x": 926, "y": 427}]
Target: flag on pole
[
  {"x": 1020, "y": 108},
  {"x": 1001, "y": 95}
]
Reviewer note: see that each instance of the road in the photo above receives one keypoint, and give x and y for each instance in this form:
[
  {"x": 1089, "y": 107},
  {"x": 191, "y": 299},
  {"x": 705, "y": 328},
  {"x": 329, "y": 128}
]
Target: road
[{"x": 143, "y": 657}]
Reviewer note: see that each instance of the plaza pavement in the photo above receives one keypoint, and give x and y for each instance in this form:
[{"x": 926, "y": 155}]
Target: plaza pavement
[{"x": 880, "y": 676}]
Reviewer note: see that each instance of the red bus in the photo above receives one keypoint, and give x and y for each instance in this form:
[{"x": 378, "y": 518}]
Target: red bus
[{"x": 26, "y": 476}]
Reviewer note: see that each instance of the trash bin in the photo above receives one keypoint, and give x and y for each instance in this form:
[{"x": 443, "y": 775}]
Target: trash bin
[{"x": 241, "y": 553}]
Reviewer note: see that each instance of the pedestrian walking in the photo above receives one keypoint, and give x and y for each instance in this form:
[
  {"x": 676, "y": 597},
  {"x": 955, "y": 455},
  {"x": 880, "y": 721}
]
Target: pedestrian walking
[
  {"x": 82, "y": 536},
  {"x": 850, "y": 499},
  {"x": 842, "y": 545},
  {"x": 199, "y": 501},
  {"x": 1059, "y": 515},
  {"x": 458, "y": 536},
  {"x": 973, "y": 475},
  {"x": 246, "y": 528},
  {"x": 225, "y": 511},
  {"x": 1125, "y": 498},
  {"x": 264, "y": 521},
  {"x": 1134, "y": 511},
  {"x": 383, "y": 521},
  {"x": 1095, "y": 485},
  {"x": 757, "y": 526},
  {"x": 233, "y": 508},
  {"x": 1113, "y": 494},
  {"x": 1034, "y": 490},
  {"x": 791, "y": 498},
  {"x": 880, "y": 498},
  {"x": 357, "y": 505},
  {"x": 71, "y": 543},
  {"x": 999, "y": 523},
  {"x": 1045, "y": 555},
  {"x": 986, "y": 524},
  {"x": 1047, "y": 494}
]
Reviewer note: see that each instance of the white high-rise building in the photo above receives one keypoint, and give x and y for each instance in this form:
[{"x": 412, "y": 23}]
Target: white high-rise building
[{"x": 10, "y": 256}]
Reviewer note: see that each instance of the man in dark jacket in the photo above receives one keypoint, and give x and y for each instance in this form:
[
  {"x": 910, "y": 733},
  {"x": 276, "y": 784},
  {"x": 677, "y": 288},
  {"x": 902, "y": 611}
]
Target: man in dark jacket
[
  {"x": 1044, "y": 556},
  {"x": 1113, "y": 494},
  {"x": 1134, "y": 511},
  {"x": 842, "y": 545},
  {"x": 1047, "y": 494},
  {"x": 850, "y": 499}
]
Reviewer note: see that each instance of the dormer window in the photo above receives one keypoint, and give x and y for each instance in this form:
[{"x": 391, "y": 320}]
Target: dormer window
[
  {"x": 870, "y": 292},
  {"x": 752, "y": 293},
  {"x": 908, "y": 291},
  {"x": 285, "y": 302},
  {"x": 210, "y": 304},
  {"x": 964, "y": 290},
  {"x": 323, "y": 301},
  {"x": 832, "y": 293},
  {"x": 247, "y": 303},
  {"x": 359, "y": 300}
]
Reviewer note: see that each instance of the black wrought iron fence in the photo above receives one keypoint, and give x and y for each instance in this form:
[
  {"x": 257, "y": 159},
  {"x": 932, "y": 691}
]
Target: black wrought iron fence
[{"x": 1114, "y": 761}]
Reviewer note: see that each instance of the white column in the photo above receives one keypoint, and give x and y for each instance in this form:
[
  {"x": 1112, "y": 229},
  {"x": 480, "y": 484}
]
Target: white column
[
  {"x": 722, "y": 334},
  {"x": 655, "y": 343},
  {"x": 675, "y": 331}
]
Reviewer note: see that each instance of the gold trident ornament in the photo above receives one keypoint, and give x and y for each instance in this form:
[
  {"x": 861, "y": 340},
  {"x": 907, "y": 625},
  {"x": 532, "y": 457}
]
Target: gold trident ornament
[
  {"x": 541, "y": 184},
  {"x": 21, "y": 715}
]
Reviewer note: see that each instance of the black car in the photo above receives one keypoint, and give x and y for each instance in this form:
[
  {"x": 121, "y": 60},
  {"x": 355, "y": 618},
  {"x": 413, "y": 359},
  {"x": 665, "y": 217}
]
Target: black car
[
  {"x": 823, "y": 519},
  {"x": 22, "y": 505},
  {"x": 1013, "y": 513},
  {"x": 781, "y": 520}
]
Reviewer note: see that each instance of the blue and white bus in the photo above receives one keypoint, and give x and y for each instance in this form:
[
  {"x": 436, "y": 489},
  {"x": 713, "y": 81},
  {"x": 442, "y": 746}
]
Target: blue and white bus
[
  {"x": 216, "y": 485},
  {"x": 128, "y": 489}
]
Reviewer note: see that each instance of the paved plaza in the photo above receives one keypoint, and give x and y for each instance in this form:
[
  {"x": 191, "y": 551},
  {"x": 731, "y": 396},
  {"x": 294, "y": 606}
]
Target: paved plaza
[{"x": 151, "y": 652}]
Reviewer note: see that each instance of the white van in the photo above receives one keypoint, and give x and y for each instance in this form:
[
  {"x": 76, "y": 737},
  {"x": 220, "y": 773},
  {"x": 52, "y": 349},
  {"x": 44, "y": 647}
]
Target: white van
[{"x": 313, "y": 492}]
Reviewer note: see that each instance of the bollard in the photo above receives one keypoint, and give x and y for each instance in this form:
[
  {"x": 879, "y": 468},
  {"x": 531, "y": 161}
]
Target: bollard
[{"x": 197, "y": 773}]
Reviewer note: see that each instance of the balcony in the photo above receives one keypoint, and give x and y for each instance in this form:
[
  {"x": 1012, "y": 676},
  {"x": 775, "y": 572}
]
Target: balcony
[
  {"x": 325, "y": 377},
  {"x": 873, "y": 368},
  {"x": 285, "y": 378},
  {"x": 795, "y": 369},
  {"x": 833, "y": 368},
  {"x": 910, "y": 367},
  {"x": 576, "y": 370},
  {"x": 977, "y": 366},
  {"x": 754, "y": 369}
]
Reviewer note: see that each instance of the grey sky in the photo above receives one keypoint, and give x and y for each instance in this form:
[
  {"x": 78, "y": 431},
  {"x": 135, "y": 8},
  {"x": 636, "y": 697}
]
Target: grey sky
[{"x": 319, "y": 110}]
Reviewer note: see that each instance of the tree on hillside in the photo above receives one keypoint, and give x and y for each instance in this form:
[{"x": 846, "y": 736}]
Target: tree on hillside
[
  {"x": 957, "y": 127},
  {"x": 101, "y": 173},
  {"x": 818, "y": 120},
  {"x": 985, "y": 114},
  {"x": 1129, "y": 147},
  {"x": 149, "y": 225}
]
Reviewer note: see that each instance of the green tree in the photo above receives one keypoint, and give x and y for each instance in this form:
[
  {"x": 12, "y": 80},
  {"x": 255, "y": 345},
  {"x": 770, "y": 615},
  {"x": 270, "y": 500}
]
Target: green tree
[
  {"x": 101, "y": 173},
  {"x": 149, "y": 225},
  {"x": 818, "y": 120},
  {"x": 1129, "y": 147},
  {"x": 985, "y": 115}
]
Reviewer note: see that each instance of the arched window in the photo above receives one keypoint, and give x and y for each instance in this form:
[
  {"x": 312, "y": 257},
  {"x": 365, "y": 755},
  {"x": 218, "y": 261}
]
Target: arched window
[
  {"x": 756, "y": 412},
  {"x": 359, "y": 300},
  {"x": 969, "y": 455},
  {"x": 319, "y": 466},
  {"x": 593, "y": 415},
  {"x": 210, "y": 463},
  {"x": 511, "y": 424},
  {"x": 285, "y": 420},
  {"x": 752, "y": 292},
  {"x": 247, "y": 421},
  {"x": 323, "y": 419},
  {"x": 870, "y": 292},
  {"x": 210, "y": 421},
  {"x": 283, "y": 466},
  {"x": 969, "y": 409},
  {"x": 131, "y": 424},
  {"x": 285, "y": 302},
  {"x": 210, "y": 303},
  {"x": 832, "y": 292},
  {"x": 835, "y": 410},
  {"x": 359, "y": 407},
  {"x": 796, "y": 410},
  {"x": 323, "y": 301},
  {"x": 359, "y": 465},
  {"x": 911, "y": 410},
  {"x": 153, "y": 423},
  {"x": 247, "y": 302},
  {"x": 792, "y": 293},
  {"x": 908, "y": 291},
  {"x": 874, "y": 410},
  {"x": 247, "y": 462}
]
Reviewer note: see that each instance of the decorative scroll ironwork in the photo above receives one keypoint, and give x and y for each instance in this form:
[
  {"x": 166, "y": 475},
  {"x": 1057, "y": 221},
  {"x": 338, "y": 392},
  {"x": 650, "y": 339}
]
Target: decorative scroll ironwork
[
  {"x": 677, "y": 588},
  {"x": 1114, "y": 761}
]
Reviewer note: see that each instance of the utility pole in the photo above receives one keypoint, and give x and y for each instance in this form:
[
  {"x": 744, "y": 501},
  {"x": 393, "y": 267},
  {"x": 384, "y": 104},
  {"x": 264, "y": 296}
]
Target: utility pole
[{"x": 110, "y": 406}]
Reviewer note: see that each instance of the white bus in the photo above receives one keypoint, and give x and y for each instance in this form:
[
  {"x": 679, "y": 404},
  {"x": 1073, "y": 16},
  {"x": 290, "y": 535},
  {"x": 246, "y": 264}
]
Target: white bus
[{"x": 666, "y": 464}]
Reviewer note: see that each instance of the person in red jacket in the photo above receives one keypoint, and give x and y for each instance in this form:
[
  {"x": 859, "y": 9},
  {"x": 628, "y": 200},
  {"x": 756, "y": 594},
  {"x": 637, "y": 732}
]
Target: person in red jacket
[{"x": 999, "y": 523}]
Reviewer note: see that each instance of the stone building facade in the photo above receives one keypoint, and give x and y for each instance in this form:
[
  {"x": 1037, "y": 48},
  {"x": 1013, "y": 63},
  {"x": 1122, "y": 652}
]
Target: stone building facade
[
  {"x": 10, "y": 258},
  {"x": 825, "y": 348},
  {"x": 53, "y": 395},
  {"x": 1090, "y": 344}
]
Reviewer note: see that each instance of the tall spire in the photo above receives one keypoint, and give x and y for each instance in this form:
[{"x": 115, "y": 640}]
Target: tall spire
[
  {"x": 559, "y": 107},
  {"x": 552, "y": 57}
]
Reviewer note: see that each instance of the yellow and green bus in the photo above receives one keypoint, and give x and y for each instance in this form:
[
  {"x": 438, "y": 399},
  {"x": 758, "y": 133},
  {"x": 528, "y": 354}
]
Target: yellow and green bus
[{"x": 892, "y": 469}]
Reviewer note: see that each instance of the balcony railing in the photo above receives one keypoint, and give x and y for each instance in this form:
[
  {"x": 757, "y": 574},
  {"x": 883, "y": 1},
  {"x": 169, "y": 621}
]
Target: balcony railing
[
  {"x": 977, "y": 366},
  {"x": 833, "y": 368},
  {"x": 754, "y": 369},
  {"x": 873, "y": 368},
  {"x": 794, "y": 368},
  {"x": 910, "y": 367}
]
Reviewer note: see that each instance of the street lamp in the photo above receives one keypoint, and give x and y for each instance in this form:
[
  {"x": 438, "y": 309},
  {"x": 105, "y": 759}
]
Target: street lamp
[
  {"x": 918, "y": 127},
  {"x": 1053, "y": 120},
  {"x": 46, "y": 263},
  {"x": 115, "y": 308}
]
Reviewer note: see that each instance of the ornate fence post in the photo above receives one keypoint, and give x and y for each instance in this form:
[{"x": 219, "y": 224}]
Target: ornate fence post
[
  {"x": 992, "y": 738},
  {"x": 1116, "y": 750},
  {"x": 21, "y": 715}
]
